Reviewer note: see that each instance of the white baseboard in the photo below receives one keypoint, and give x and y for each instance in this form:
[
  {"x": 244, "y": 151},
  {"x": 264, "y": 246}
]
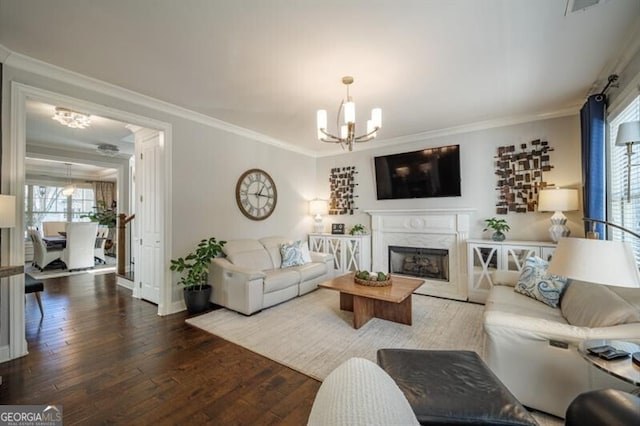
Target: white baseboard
[{"x": 123, "y": 282}]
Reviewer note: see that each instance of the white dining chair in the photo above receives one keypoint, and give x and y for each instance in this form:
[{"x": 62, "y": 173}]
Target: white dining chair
[
  {"x": 53, "y": 229},
  {"x": 42, "y": 255},
  {"x": 101, "y": 240},
  {"x": 81, "y": 241}
]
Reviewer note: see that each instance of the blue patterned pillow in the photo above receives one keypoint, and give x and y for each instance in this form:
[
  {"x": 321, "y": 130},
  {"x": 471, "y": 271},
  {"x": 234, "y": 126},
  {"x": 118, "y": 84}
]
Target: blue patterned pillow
[
  {"x": 293, "y": 254},
  {"x": 537, "y": 284}
]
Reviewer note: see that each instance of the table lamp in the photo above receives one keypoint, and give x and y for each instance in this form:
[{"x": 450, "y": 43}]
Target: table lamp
[
  {"x": 318, "y": 208},
  {"x": 558, "y": 200}
]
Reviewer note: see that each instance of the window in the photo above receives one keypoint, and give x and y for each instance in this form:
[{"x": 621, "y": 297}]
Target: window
[
  {"x": 45, "y": 203},
  {"x": 624, "y": 210}
]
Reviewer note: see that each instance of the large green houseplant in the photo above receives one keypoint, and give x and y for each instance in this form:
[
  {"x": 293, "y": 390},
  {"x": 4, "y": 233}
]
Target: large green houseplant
[{"x": 196, "y": 291}]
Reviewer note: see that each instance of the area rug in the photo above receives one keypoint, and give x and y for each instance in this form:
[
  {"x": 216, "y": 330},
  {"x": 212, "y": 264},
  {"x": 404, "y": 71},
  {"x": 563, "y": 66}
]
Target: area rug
[
  {"x": 312, "y": 335},
  {"x": 109, "y": 267}
]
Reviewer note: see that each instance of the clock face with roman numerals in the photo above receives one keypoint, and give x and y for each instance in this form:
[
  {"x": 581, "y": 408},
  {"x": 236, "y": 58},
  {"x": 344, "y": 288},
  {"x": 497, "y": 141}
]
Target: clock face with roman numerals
[{"x": 256, "y": 194}]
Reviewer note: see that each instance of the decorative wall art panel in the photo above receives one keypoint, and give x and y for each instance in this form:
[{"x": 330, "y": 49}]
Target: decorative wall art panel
[
  {"x": 342, "y": 184},
  {"x": 520, "y": 175}
]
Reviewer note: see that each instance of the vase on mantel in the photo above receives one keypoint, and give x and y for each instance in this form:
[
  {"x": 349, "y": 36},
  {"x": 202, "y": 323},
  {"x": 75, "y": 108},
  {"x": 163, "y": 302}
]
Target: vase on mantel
[{"x": 498, "y": 236}]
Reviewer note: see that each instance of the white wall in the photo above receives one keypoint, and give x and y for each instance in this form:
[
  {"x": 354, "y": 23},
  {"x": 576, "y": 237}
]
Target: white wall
[
  {"x": 477, "y": 150},
  {"x": 206, "y": 163}
]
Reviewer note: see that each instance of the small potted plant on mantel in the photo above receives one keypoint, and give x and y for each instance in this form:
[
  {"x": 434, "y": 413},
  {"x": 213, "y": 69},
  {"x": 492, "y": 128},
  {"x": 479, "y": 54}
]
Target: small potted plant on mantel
[
  {"x": 499, "y": 227},
  {"x": 196, "y": 291}
]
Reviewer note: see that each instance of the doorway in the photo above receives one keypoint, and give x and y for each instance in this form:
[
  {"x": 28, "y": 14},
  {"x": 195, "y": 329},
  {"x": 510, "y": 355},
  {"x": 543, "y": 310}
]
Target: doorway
[{"x": 13, "y": 161}]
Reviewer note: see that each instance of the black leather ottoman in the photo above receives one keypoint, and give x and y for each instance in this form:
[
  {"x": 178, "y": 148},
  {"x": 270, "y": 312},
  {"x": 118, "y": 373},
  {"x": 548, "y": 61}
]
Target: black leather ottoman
[{"x": 452, "y": 387}]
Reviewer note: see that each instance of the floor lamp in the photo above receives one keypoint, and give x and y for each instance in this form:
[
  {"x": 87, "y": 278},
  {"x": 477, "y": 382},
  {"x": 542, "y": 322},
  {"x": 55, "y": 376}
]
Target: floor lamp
[{"x": 597, "y": 261}]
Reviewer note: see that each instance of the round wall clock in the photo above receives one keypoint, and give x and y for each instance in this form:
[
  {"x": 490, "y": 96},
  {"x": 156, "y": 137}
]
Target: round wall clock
[{"x": 256, "y": 194}]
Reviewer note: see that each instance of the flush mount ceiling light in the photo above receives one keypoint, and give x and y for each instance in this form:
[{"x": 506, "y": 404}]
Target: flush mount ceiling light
[
  {"x": 73, "y": 119},
  {"x": 348, "y": 129},
  {"x": 108, "y": 149}
]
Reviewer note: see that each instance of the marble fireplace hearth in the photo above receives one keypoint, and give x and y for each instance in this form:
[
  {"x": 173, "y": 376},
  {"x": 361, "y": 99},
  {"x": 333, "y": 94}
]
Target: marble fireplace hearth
[{"x": 432, "y": 239}]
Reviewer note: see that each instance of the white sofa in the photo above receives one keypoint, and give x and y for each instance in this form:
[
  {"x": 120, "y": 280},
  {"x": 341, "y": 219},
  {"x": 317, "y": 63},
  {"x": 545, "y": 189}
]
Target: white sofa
[
  {"x": 532, "y": 347},
  {"x": 250, "y": 278}
]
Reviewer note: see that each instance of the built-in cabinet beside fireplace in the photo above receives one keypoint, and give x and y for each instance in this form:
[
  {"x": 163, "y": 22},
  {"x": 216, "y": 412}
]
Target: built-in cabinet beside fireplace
[
  {"x": 487, "y": 256},
  {"x": 350, "y": 252}
]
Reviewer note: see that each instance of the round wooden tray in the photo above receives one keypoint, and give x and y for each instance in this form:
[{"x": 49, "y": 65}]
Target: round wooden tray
[{"x": 372, "y": 283}]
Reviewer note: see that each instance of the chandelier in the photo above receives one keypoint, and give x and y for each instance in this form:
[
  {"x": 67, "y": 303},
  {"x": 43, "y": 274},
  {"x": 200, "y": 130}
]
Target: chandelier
[
  {"x": 73, "y": 119},
  {"x": 348, "y": 129},
  {"x": 69, "y": 188}
]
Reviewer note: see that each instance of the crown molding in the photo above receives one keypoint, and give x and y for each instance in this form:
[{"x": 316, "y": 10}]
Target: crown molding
[
  {"x": 28, "y": 64},
  {"x": 465, "y": 128},
  {"x": 4, "y": 53},
  {"x": 624, "y": 57}
]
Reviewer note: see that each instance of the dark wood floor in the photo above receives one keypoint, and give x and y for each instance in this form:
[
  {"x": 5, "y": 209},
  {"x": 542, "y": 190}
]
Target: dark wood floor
[{"x": 108, "y": 358}]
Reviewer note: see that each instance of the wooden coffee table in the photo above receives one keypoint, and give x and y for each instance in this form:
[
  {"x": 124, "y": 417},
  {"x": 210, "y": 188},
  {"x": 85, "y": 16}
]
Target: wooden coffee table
[{"x": 392, "y": 303}]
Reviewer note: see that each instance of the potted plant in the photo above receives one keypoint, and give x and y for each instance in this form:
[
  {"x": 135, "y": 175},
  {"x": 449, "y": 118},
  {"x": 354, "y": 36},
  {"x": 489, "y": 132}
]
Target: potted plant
[
  {"x": 499, "y": 227},
  {"x": 196, "y": 291},
  {"x": 358, "y": 229}
]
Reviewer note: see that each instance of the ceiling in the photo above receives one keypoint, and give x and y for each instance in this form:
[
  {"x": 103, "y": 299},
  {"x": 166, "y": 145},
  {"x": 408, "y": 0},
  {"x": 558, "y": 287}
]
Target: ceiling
[
  {"x": 269, "y": 65},
  {"x": 43, "y": 131}
]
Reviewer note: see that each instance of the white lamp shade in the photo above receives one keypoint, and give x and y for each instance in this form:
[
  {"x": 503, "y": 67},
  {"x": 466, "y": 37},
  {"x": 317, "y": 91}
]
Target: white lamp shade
[
  {"x": 558, "y": 200},
  {"x": 349, "y": 112},
  {"x": 322, "y": 123},
  {"x": 7, "y": 211},
  {"x": 68, "y": 190},
  {"x": 318, "y": 207},
  {"x": 596, "y": 261},
  {"x": 628, "y": 133},
  {"x": 376, "y": 117}
]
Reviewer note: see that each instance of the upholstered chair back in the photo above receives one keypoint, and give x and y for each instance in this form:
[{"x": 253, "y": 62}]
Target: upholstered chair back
[{"x": 81, "y": 240}]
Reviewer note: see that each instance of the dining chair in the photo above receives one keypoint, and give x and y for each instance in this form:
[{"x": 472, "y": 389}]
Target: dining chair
[
  {"x": 42, "y": 255},
  {"x": 101, "y": 240},
  {"x": 53, "y": 229},
  {"x": 81, "y": 241}
]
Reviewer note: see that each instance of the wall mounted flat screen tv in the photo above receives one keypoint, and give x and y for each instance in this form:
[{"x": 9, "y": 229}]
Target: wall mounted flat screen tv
[{"x": 431, "y": 172}]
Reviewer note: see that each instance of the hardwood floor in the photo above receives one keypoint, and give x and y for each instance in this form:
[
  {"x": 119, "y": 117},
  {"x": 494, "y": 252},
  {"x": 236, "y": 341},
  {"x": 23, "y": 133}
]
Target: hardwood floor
[{"x": 108, "y": 358}]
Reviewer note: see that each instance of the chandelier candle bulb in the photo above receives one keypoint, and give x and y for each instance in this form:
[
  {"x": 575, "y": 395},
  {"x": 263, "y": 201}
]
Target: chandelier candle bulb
[
  {"x": 349, "y": 112},
  {"x": 322, "y": 122},
  {"x": 370, "y": 127},
  {"x": 376, "y": 117}
]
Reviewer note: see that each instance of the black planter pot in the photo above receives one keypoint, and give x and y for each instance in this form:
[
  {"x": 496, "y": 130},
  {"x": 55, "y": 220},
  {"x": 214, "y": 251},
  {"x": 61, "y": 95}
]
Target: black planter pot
[{"x": 197, "y": 298}]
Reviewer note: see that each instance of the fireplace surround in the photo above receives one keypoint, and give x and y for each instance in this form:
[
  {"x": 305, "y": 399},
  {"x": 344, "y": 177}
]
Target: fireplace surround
[{"x": 426, "y": 232}]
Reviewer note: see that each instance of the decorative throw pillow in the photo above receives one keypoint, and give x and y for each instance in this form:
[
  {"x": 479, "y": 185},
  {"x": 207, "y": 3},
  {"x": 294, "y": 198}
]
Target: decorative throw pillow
[
  {"x": 293, "y": 254},
  {"x": 537, "y": 284}
]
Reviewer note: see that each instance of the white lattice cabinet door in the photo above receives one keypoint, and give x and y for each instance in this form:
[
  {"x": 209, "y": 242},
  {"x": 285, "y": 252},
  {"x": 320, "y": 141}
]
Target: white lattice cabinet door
[
  {"x": 483, "y": 260},
  {"x": 350, "y": 252},
  {"x": 484, "y": 257}
]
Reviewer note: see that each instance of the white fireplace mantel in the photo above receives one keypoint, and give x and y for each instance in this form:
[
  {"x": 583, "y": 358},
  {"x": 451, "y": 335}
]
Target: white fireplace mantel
[{"x": 433, "y": 228}]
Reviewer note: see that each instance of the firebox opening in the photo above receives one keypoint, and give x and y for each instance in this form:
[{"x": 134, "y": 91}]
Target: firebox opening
[{"x": 419, "y": 262}]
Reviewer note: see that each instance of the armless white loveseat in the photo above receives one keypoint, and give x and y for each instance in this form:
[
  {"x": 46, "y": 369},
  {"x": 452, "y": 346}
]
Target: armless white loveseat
[{"x": 250, "y": 277}]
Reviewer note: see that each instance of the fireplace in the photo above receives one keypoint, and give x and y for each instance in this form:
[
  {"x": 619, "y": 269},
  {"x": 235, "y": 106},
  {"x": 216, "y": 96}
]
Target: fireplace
[
  {"x": 432, "y": 247},
  {"x": 417, "y": 262}
]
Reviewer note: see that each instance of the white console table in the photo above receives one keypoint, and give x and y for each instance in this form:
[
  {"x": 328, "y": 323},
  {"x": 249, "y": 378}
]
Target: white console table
[
  {"x": 486, "y": 256},
  {"x": 350, "y": 252}
]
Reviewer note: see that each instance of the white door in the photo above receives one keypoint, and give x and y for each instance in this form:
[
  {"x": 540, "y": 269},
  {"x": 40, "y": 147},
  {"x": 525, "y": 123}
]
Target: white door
[{"x": 148, "y": 213}]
